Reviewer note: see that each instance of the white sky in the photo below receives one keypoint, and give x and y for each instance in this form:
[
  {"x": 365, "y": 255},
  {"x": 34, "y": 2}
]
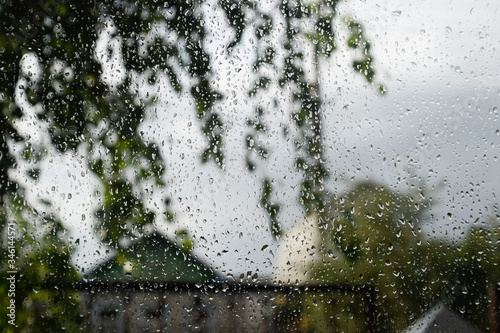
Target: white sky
[{"x": 438, "y": 122}]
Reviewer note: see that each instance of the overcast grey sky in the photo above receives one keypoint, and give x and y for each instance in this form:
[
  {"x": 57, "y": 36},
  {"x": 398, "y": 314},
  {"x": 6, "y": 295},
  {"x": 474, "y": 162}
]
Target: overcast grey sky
[{"x": 438, "y": 122}]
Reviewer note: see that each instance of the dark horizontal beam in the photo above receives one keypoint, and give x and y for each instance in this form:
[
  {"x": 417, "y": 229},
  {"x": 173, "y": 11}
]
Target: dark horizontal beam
[{"x": 206, "y": 287}]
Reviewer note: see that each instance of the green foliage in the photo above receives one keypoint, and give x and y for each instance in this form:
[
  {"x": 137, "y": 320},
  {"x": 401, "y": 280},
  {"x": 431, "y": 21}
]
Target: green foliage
[
  {"x": 371, "y": 237},
  {"x": 257, "y": 129},
  {"x": 101, "y": 119},
  {"x": 85, "y": 113},
  {"x": 271, "y": 208},
  {"x": 357, "y": 40},
  {"x": 184, "y": 240},
  {"x": 314, "y": 21},
  {"x": 473, "y": 279},
  {"x": 88, "y": 114},
  {"x": 235, "y": 14},
  {"x": 82, "y": 111},
  {"x": 41, "y": 262}
]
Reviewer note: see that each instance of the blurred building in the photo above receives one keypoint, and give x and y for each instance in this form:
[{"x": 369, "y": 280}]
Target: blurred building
[
  {"x": 155, "y": 258},
  {"x": 155, "y": 286},
  {"x": 298, "y": 251},
  {"x": 443, "y": 320}
]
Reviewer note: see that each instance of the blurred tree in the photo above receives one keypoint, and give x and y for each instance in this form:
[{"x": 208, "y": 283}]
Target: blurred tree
[
  {"x": 37, "y": 258},
  {"x": 50, "y": 68},
  {"x": 473, "y": 278},
  {"x": 85, "y": 112},
  {"x": 371, "y": 237},
  {"x": 65, "y": 89},
  {"x": 309, "y": 36}
]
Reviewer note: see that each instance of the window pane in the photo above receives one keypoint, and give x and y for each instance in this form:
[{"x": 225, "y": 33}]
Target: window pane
[{"x": 274, "y": 166}]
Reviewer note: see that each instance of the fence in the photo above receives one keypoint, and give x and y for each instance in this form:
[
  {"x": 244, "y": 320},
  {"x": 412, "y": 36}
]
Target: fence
[{"x": 157, "y": 307}]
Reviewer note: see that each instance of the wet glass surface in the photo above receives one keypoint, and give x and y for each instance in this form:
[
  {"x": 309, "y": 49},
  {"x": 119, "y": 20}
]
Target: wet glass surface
[{"x": 274, "y": 166}]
